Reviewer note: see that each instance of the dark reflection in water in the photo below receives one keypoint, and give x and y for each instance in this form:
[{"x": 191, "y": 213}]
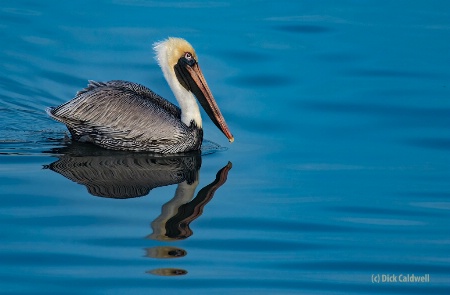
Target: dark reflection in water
[
  {"x": 176, "y": 226},
  {"x": 165, "y": 252},
  {"x": 123, "y": 175},
  {"x": 168, "y": 272}
]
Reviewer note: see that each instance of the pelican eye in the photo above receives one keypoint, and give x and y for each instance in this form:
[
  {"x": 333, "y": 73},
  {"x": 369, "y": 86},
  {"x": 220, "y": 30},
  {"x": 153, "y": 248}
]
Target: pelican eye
[{"x": 189, "y": 59}]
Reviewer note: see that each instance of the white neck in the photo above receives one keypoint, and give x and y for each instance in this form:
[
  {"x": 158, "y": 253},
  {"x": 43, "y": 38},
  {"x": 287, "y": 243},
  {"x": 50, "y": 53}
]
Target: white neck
[
  {"x": 186, "y": 100},
  {"x": 188, "y": 104}
]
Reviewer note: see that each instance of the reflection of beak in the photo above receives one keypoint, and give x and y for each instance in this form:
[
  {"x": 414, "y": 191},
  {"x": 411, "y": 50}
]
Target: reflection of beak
[{"x": 189, "y": 73}]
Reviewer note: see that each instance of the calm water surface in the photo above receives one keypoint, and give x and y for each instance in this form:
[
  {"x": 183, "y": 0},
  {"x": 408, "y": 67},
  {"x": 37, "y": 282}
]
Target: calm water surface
[{"x": 339, "y": 173}]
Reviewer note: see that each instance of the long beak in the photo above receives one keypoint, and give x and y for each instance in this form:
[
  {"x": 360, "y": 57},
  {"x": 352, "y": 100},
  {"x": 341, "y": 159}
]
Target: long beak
[{"x": 193, "y": 77}]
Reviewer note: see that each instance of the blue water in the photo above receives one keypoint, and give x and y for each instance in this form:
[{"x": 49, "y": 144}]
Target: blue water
[{"x": 339, "y": 173}]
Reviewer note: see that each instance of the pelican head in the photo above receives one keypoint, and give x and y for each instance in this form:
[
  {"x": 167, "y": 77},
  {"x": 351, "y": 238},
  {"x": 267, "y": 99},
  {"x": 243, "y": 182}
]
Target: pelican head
[{"x": 179, "y": 63}]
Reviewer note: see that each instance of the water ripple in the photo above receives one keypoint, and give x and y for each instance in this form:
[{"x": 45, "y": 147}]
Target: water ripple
[
  {"x": 442, "y": 144},
  {"x": 180, "y": 4},
  {"x": 303, "y": 29},
  {"x": 254, "y": 245},
  {"x": 379, "y": 211},
  {"x": 383, "y": 221},
  {"x": 246, "y": 56},
  {"x": 392, "y": 73},
  {"x": 260, "y": 81},
  {"x": 248, "y": 224}
]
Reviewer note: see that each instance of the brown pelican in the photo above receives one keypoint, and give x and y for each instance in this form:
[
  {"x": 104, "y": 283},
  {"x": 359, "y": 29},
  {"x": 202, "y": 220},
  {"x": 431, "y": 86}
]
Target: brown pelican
[{"x": 122, "y": 115}]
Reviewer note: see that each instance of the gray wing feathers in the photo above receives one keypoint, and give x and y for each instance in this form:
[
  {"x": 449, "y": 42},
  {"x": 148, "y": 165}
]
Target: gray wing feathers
[
  {"x": 119, "y": 112},
  {"x": 139, "y": 89}
]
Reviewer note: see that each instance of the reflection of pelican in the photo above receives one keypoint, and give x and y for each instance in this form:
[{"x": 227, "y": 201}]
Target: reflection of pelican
[
  {"x": 168, "y": 272},
  {"x": 122, "y": 115},
  {"x": 124, "y": 175},
  {"x": 178, "y": 213},
  {"x": 165, "y": 252}
]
